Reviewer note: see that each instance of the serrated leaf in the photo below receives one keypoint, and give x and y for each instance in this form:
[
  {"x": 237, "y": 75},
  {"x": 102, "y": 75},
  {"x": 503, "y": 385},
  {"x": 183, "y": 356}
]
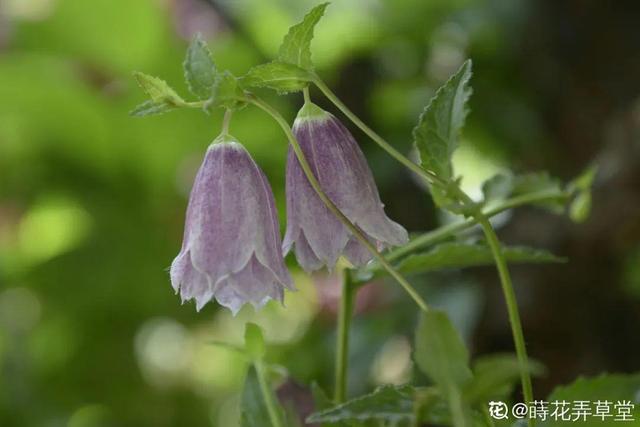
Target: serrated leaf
[
  {"x": 495, "y": 377},
  {"x": 254, "y": 341},
  {"x": 442, "y": 355},
  {"x": 227, "y": 93},
  {"x": 296, "y": 46},
  {"x": 253, "y": 411},
  {"x": 277, "y": 75},
  {"x": 459, "y": 254},
  {"x": 439, "y": 126},
  {"x": 200, "y": 71},
  {"x": 386, "y": 403},
  {"x": 609, "y": 387},
  {"x": 150, "y": 108},
  {"x": 158, "y": 90}
]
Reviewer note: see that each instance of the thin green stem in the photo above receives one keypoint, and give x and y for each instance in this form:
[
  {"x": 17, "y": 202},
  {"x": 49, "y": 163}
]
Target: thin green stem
[
  {"x": 267, "y": 394},
  {"x": 453, "y": 228},
  {"x": 347, "y": 299},
  {"x": 305, "y": 93},
  {"x": 512, "y": 307},
  {"x": 226, "y": 120},
  {"x": 428, "y": 175},
  {"x": 331, "y": 206}
]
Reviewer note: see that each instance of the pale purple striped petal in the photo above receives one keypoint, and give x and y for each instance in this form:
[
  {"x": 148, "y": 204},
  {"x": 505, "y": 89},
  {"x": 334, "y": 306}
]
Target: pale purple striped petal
[
  {"x": 342, "y": 171},
  {"x": 231, "y": 248}
]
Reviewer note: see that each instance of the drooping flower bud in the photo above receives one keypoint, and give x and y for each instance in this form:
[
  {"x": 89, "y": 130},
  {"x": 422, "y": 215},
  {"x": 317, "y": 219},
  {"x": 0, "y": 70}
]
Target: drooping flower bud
[
  {"x": 231, "y": 247},
  {"x": 341, "y": 169}
]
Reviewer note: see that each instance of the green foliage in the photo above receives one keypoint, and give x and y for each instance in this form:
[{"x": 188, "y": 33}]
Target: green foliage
[
  {"x": 387, "y": 403},
  {"x": 254, "y": 341},
  {"x": 253, "y": 410},
  {"x": 442, "y": 355},
  {"x": 200, "y": 71},
  {"x": 227, "y": 93},
  {"x": 459, "y": 254},
  {"x": 606, "y": 387},
  {"x": 151, "y": 108},
  {"x": 580, "y": 206},
  {"x": 280, "y": 76},
  {"x": 296, "y": 46},
  {"x": 439, "y": 126},
  {"x": 495, "y": 377},
  {"x": 158, "y": 90}
]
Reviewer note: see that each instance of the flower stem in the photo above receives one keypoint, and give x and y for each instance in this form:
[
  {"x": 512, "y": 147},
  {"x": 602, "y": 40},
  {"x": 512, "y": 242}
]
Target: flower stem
[
  {"x": 267, "y": 394},
  {"x": 512, "y": 307},
  {"x": 226, "y": 120},
  {"x": 331, "y": 206},
  {"x": 428, "y": 175},
  {"x": 347, "y": 299},
  {"x": 451, "y": 229}
]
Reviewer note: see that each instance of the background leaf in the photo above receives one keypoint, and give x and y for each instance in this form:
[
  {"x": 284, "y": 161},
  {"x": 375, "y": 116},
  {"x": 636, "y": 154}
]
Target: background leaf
[
  {"x": 495, "y": 376},
  {"x": 296, "y": 46},
  {"x": 457, "y": 254},
  {"x": 442, "y": 355},
  {"x": 254, "y": 412},
  {"x": 386, "y": 403},
  {"x": 200, "y": 71}
]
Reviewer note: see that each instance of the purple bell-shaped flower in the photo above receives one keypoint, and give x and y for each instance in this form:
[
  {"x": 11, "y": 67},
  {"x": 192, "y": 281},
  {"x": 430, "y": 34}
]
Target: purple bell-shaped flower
[
  {"x": 337, "y": 162},
  {"x": 231, "y": 249}
]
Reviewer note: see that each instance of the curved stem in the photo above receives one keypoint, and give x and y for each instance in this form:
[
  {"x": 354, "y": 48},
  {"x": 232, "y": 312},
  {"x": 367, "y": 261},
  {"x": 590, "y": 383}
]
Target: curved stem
[
  {"x": 443, "y": 232},
  {"x": 428, "y": 175},
  {"x": 226, "y": 120},
  {"x": 512, "y": 307},
  {"x": 347, "y": 299},
  {"x": 267, "y": 394},
  {"x": 331, "y": 206}
]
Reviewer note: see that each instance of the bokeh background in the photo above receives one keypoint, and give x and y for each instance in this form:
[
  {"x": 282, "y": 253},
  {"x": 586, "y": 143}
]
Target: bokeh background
[{"x": 92, "y": 201}]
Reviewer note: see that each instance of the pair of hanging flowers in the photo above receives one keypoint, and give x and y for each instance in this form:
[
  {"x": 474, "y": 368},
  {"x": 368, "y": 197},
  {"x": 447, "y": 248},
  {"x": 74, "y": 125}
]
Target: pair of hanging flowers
[{"x": 232, "y": 251}]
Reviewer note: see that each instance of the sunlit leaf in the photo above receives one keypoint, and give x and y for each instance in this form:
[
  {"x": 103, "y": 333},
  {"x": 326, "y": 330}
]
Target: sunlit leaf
[
  {"x": 200, "y": 71},
  {"x": 277, "y": 75},
  {"x": 296, "y": 46},
  {"x": 158, "y": 90}
]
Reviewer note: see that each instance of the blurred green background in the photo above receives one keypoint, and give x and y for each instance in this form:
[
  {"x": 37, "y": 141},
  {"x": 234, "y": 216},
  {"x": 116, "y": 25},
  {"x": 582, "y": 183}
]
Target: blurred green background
[{"x": 92, "y": 200}]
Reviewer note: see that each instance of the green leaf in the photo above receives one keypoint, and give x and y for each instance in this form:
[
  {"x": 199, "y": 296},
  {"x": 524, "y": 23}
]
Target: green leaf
[
  {"x": 296, "y": 46},
  {"x": 436, "y": 135},
  {"x": 440, "y": 352},
  {"x": 386, "y": 403},
  {"x": 539, "y": 182},
  {"x": 610, "y": 387},
  {"x": 158, "y": 90},
  {"x": 458, "y": 255},
  {"x": 150, "y": 108},
  {"x": 580, "y": 206},
  {"x": 253, "y": 411},
  {"x": 227, "y": 93},
  {"x": 497, "y": 188},
  {"x": 200, "y": 71},
  {"x": 277, "y": 75},
  {"x": 442, "y": 355},
  {"x": 495, "y": 377},
  {"x": 254, "y": 341}
]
